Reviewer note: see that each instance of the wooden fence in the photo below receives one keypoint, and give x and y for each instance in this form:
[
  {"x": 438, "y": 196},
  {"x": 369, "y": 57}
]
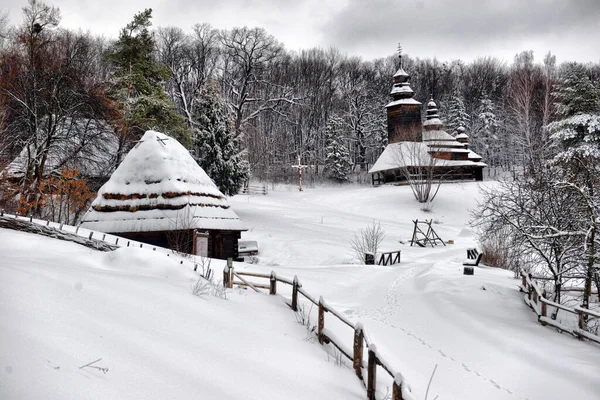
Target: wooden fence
[
  {"x": 539, "y": 304},
  {"x": 254, "y": 189},
  {"x": 400, "y": 388}
]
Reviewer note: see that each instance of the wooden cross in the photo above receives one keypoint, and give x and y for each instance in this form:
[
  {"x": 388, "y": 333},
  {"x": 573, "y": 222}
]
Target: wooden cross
[{"x": 299, "y": 167}]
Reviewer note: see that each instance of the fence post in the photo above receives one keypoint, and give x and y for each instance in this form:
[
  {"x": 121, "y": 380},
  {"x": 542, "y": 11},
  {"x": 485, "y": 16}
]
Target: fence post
[
  {"x": 544, "y": 312},
  {"x": 295, "y": 294},
  {"x": 524, "y": 281},
  {"x": 321, "y": 320},
  {"x": 91, "y": 234},
  {"x": 358, "y": 350},
  {"x": 397, "y": 387},
  {"x": 226, "y": 277},
  {"x": 273, "y": 289},
  {"x": 372, "y": 372},
  {"x": 581, "y": 319}
]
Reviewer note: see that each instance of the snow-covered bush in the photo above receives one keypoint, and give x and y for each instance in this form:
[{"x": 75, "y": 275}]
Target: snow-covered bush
[{"x": 367, "y": 240}]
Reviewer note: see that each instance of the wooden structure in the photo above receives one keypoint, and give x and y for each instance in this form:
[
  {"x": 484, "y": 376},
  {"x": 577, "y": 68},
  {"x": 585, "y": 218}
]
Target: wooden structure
[
  {"x": 361, "y": 341},
  {"x": 473, "y": 258},
  {"x": 408, "y": 137},
  {"x": 159, "y": 195},
  {"x": 423, "y": 238},
  {"x": 539, "y": 304}
]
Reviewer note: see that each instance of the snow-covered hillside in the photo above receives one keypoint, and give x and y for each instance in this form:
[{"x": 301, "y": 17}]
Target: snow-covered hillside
[
  {"x": 423, "y": 312},
  {"x": 63, "y": 306}
]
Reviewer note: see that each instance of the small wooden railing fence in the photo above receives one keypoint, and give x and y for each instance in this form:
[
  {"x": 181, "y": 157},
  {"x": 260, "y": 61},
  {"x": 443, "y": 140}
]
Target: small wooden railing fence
[
  {"x": 254, "y": 189},
  {"x": 400, "y": 388},
  {"x": 535, "y": 299},
  {"x": 389, "y": 258}
]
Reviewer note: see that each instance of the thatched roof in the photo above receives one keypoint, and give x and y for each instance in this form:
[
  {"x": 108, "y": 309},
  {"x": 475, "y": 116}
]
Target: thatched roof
[{"x": 159, "y": 187}]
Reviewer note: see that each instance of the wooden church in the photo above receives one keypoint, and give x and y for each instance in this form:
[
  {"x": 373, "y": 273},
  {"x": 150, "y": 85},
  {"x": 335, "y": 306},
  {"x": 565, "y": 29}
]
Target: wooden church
[
  {"x": 159, "y": 195},
  {"x": 413, "y": 144}
]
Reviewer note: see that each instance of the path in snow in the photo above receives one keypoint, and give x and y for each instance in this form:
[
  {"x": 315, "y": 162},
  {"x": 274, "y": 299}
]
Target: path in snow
[{"x": 423, "y": 312}]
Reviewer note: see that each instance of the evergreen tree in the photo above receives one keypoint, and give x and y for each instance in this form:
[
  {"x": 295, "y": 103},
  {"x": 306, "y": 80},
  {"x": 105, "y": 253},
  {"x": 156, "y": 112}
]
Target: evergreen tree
[
  {"x": 137, "y": 86},
  {"x": 337, "y": 159},
  {"x": 578, "y": 135},
  {"x": 215, "y": 146},
  {"x": 456, "y": 114},
  {"x": 485, "y": 138}
]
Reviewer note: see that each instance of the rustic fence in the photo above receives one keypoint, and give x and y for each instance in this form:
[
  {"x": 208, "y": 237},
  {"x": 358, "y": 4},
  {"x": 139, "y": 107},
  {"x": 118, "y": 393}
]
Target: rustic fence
[
  {"x": 400, "y": 388},
  {"x": 535, "y": 299},
  {"x": 254, "y": 189}
]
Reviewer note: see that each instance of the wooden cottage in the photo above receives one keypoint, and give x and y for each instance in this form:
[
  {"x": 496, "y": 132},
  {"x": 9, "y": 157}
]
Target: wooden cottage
[
  {"x": 413, "y": 144},
  {"x": 159, "y": 195}
]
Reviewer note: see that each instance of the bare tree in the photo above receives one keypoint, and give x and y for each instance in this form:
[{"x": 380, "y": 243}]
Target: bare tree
[
  {"x": 191, "y": 59},
  {"x": 419, "y": 168},
  {"x": 247, "y": 55}
]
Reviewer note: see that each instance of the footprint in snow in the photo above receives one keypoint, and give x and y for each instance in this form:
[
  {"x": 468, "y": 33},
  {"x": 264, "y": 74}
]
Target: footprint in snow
[{"x": 466, "y": 367}]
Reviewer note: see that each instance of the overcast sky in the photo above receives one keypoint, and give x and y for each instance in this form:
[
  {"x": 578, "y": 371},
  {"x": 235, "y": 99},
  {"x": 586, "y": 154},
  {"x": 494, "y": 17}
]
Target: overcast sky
[{"x": 446, "y": 29}]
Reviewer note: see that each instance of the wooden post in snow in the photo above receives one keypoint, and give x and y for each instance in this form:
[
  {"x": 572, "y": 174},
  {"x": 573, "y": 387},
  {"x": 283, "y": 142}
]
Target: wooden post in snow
[
  {"x": 299, "y": 167},
  {"x": 358, "y": 350},
  {"x": 372, "y": 373},
  {"x": 295, "y": 294},
  {"x": 321, "y": 321},
  {"x": 226, "y": 277},
  {"x": 397, "y": 387},
  {"x": 273, "y": 286}
]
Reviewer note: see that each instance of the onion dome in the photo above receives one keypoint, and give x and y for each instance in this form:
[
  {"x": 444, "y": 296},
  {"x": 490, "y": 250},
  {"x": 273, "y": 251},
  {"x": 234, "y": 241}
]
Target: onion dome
[{"x": 432, "y": 121}]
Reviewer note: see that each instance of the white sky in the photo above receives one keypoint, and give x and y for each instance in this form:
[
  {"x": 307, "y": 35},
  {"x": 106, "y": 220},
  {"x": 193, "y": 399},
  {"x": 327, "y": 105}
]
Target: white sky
[{"x": 444, "y": 29}]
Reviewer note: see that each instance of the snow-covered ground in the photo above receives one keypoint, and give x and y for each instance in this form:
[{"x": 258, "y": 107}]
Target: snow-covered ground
[
  {"x": 424, "y": 311},
  {"x": 63, "y": 306}
]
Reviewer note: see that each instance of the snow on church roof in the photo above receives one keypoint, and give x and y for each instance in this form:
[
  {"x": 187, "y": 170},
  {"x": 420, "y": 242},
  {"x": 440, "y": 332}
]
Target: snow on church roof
[
  {"x": 402, "y": 154},
  {"x": 158, "y": 187}
]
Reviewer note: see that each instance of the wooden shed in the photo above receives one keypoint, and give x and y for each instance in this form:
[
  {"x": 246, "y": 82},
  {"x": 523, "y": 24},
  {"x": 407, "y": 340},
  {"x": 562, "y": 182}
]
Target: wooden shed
[{"x": 159, "y": 195}]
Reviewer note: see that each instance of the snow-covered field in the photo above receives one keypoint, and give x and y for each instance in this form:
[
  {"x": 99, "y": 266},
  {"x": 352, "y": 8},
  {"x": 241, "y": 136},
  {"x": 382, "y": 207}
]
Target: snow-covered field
[{"x": 63, "y": 306}]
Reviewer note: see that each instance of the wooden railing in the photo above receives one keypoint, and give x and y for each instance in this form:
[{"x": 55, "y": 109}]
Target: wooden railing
[
  {"x": 539, "y": 304},
  {"x": 400, "y": 388},
  {"x": 389, "y": 258},
  {"x": 254, "y": 189}
]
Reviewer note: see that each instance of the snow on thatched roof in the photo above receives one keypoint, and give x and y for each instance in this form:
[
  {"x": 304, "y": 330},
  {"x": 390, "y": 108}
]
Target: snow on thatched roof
[
  {"x": 159, "y": 187},
  {"x": 87, "y": 145},
  {"x": 404, "y": 154}
]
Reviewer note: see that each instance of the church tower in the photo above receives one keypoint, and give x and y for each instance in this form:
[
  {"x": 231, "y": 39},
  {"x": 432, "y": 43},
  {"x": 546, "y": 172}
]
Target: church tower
[{"x": 404, "y": 112}]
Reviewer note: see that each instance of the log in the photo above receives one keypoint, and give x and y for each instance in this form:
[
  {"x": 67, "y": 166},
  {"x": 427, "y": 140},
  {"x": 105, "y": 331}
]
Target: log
[{"x": 26, "y": 226}]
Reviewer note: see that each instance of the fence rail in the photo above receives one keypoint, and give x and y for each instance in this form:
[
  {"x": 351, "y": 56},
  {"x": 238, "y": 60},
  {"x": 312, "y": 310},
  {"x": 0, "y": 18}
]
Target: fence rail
[
  {"x": 535, "y": 299},
  {"x": 355, "y": 353},
  {"x": 400, "y": 388}
]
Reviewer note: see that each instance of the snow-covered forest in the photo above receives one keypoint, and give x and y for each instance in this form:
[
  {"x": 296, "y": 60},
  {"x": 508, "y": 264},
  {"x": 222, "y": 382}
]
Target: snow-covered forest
[
  {"x": 74, "y": 104},
  {"x": 279, "y": 103}
]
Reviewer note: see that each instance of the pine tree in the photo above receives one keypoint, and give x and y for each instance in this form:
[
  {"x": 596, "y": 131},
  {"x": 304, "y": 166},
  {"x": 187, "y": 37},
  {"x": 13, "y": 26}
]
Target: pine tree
[
  {"x": 337, "y": 159},
  {"x": 137, "y": 86},
  {"x": 485, "y": 136},
  {"x": 456, "y": 114},
  {"x": 215, "y": 146},
  {"x": 578, "y": 134}
]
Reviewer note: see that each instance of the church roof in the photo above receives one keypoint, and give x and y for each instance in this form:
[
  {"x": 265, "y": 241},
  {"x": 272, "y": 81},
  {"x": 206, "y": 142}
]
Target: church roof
[
  {"x": 401, "y": 73},
  {"x": 159, "y": 187},
  {"x": 404, "y": 154}
]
